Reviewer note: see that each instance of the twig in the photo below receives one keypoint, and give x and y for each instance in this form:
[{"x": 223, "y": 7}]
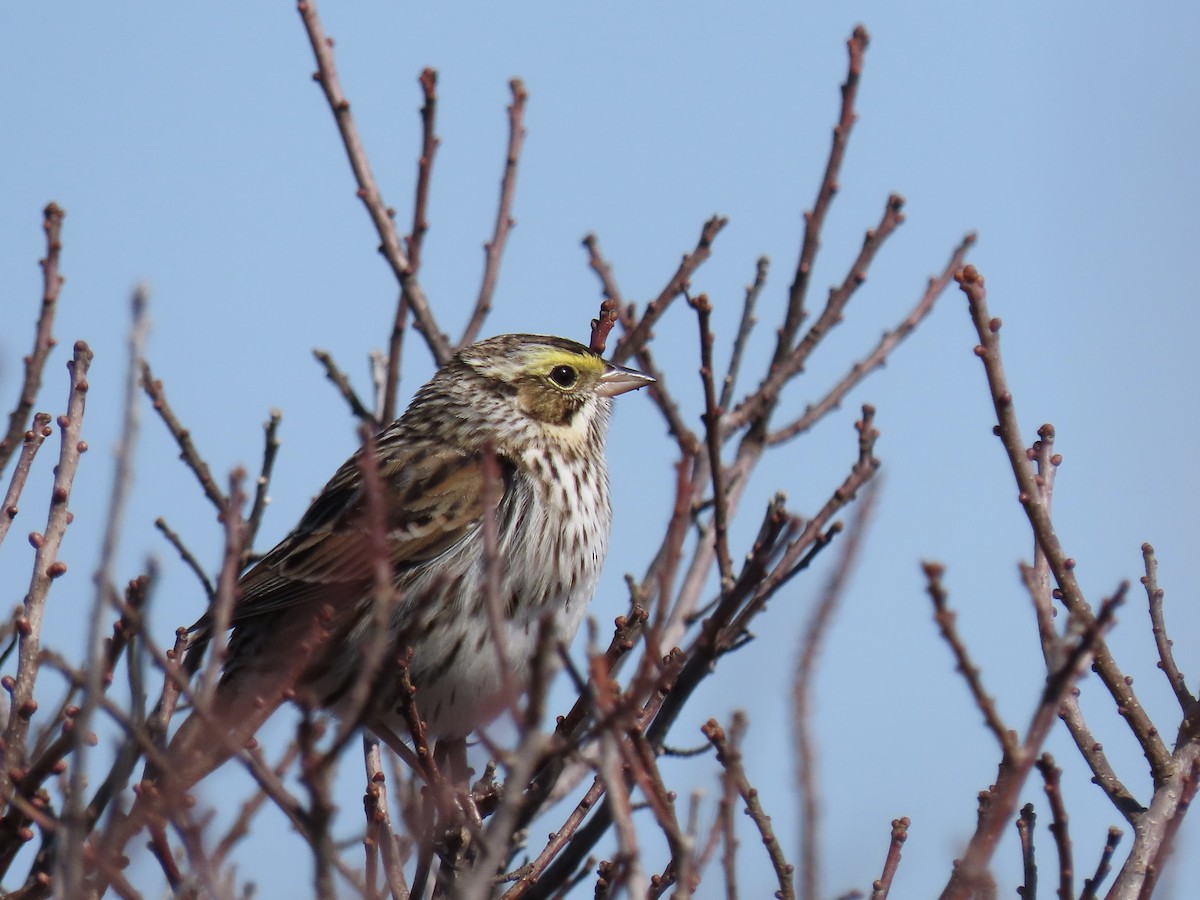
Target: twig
[
  {"x": 1061, "y": 566},
  {"x": 883, "y": 885},
  {"x": 1052, "y": 778},
  {"x": 187, "y": 450},
  {"x": 814, "y": 220},
  {"x": 758, "y": 406},
  {"x": 1166, "y": 658},
  {"x": 187, "y": 556},
  {"x": 945, "y": 619},
  {"x": 368, "y": 190},
  {"x": 220, "y": 614},
  {"x": 34, "y": 437},
  {"x": 493, "y": 250},
  {"x": 429, "y": 145},
  {"x": 745, "y": 326},
  {"x": 613, "y": 306},
  {"x": 971, "y": 871},
  {"x": 69, "y": 879},
  {"x": 263, "y": 482},
  {"x": 730, "y": 757},
  {"x": 46, "y": 568},
  {"x": 1103, "y": 867},
  {"x": 1026, "y": 824},
  {"x": 379, "y": 822},
  {"x": 43, "y": 339},
  {"x": 878, "y": 356},
  {"x": 639, "y": 332},
  {"x": 810, "y": 644},
  {"x": 712, "y": 434},
  {"x": 342, "y": 383}
]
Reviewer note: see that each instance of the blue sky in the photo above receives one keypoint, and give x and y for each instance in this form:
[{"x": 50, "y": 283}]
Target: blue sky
[{"x": 191, "y": 150}]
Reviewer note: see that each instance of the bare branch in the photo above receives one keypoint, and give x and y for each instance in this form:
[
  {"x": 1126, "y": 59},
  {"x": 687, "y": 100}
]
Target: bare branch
[
  {"x": 187, "y": 450},
  {"x": 368, "y": 191},
  {"x": 34, "y": 437},
  {"x": 342, "y": 383},
  {"x": 1166, "y": 658},
  {"x": 883, "y": 885},
  {"x": 263, "y": 482},
  {"x": 493, "y": 250},
  {"x": 802, "y": 688},
  {"x": 46, "y": 567},
  {"x": 43, "y": 340},
  {"x": 1036, "y": 510}
]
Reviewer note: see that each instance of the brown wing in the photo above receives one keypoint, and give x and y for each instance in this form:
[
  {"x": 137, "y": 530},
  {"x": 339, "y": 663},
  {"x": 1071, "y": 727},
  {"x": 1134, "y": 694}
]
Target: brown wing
[{"x": 432, "y": 500}]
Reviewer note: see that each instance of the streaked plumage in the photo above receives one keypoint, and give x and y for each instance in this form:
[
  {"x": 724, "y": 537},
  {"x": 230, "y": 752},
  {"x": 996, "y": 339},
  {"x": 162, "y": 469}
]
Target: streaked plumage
[{"x": 303, "y": 620}]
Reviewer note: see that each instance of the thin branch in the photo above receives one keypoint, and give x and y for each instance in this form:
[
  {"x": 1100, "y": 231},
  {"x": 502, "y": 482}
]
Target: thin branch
[
  {"x": 639, "y": 332},
  {"x": 758, "y": 406},
  {"x": 72, "y": 835},
  {"x": 1026, "y": 823},
  {"x": 493, "y": 250},
  {"x": 730, "y": 757},
  {"x": 368, "y": 191},
  {"x": 745, "y": 326},
  {"x": 814, "y": 220},
  {"x": 34, "y": 437},
  {"x": 1059, "y": 825},
  {"x": 429, "y": 145},
  {"x": 263, "y": 482},
  {"x": 815, "y": 631},
  {"x": 187, "y": 450},
  {"x": 187, "y": 556},
  {"x": 342, "y": 383},
  {"x": 945, "y": 619},
  {"x": 1062, "y": 567},
  {"x": 1103, "y": 867},
  {"x": 878, "y": 356},
  {"x": 46, "y": 567},
  {"x": 883, "y": 885},
  {"x": 712, "y": 434},
  {"x": 1166, "y": 658},
  {"x": 43, "y": 339}
]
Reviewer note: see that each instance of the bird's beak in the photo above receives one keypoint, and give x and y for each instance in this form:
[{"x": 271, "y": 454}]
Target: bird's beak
[{"x": 618, "y": 379}]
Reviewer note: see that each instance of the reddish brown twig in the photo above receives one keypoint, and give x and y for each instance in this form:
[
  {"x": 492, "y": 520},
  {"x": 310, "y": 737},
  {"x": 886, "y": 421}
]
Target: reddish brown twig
[
  {"x": 1059, "y": 824},
  {"x": 187, "y": 450},
  {"x": 187, "y": 556},
  {"x": 883, "y": 884},
  {"x": 638, "y": 331},
  {"x": 945, "y": 619},
  {"x": 1026, "y": 823},
  {"x": 758, "y": 406},
  {"x": 729, "y": 756},
  {"x": 34, "y": 437},
  {"x": 342, "y": 383},
  {"x": 878, "y": 356},
  {"x": 815, "y": 630},
  {"x": 1166, "y": 658},
  {"x": 429, "y": 145},
  {"x": 712, "y": 435},
  {"x": 1061, "y": 566},
  {"x": 263, "y": 482},
  {"x": 368, "y": 190},
  {"x": 814, "y": 219},
  {"x": 75, "y": 828},
  {"x": 46, "y": 568},
  {"x": 745, "y": 326},
  {"x": 43, "y": 339},
  {"x": 1103, "y": 867},
  {"x": 493, "y": 250}
]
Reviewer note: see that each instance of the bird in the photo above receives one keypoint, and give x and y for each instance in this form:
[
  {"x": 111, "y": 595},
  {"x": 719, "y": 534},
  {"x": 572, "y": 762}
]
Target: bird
[{"x": 533, "y": 410}]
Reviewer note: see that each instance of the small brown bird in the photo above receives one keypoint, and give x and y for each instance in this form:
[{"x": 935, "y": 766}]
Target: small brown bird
[{"x": 303, "y": 620}]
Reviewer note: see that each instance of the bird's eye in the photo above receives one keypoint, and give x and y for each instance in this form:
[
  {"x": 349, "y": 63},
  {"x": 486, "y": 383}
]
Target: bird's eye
[{"x": 564, "y": 376}]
